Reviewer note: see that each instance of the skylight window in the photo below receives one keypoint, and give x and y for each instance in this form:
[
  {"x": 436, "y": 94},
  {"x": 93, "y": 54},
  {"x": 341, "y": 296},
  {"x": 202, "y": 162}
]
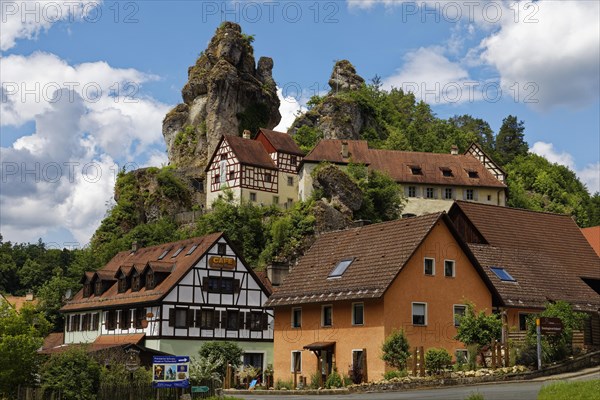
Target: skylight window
[
  {"x": 503, "y": 274},
  {"x": 190, "y": 251},
  {"x": 447, "y": 172},
  {"x": 473, "y": 174},
  {"x": 177, "y": 252},
  {"x": 416, "y": 170},
  {"x": 341, "y": 267},
  {"x": 164, "y": 253}
]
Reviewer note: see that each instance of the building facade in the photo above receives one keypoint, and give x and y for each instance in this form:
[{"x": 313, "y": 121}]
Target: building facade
[
  {"x": 430, "y": 181},
  {"x": 173, "y": 297},
  {"x": 355, "y": 287},
  {"x": 263, "y": 170}
]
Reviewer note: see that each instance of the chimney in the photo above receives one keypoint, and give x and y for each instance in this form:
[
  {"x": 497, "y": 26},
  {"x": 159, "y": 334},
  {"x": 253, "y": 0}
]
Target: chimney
[
  {"x": 344, "y": 149},
  {"x": 454, "y": 150},
  {"x": 246, "y": 134},
  {"x": 29, "y": 296},
  {"x": 134, "y": 246}
]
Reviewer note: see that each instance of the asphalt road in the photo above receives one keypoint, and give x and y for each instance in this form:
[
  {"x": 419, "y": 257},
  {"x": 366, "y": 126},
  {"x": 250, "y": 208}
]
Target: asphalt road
[{"x": 501, "y": 391}]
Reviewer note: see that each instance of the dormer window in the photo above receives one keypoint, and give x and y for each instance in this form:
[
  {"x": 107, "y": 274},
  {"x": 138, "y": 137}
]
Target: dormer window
[
  {"x": 447, "y": 172},
  {"x": 122, "y": 283},
  {"x": 416, "y": 170},
  {"x": 340, "y": 268},
  {"x": 473, "y": 174},
  {"x": 150, "y": 280},
  {"x": 136, "y": 282},
  {"x": 99, "y": 288},
  {"x": 87, "y": 290}
]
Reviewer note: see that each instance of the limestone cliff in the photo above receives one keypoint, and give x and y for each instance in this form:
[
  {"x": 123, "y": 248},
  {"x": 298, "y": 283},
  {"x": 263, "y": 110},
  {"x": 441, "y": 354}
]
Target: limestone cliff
[
  {"x": 226, "y": 93},
  {"x": 339, "y": 115}
]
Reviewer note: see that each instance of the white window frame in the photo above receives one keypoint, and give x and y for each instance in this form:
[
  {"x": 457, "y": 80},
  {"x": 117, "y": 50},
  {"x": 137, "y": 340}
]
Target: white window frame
[
  {"x": 470, "y": 193},
  {"x": 292, "y": 319},
  {"x": 424, "y": 266},
  {"x": 412, "y": 191},
  {"x": 251, "y": 195},
  {"x": 354, "y": 316},
  {"x": 323, "y": 315},
  {"x": 356, "y": 351},
  {"x": 412, "y": 312},
  {"x": 427, "y": 190},
  {"x": 454, "y": 312},
  {"x": 290, "y": 181},
  {"x": 453, "y": 269},
  {"x": 299, "y": 352},
  {"x": 446, "y": 193}
]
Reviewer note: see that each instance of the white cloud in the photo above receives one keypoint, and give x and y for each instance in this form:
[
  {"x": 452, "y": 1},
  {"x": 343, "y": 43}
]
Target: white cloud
[
  {"x": 25, "y": 19},
  {"x": 589, "y": 175},
  {"x": 289, "y": 109},
  {"x": 555, "y": 52}
]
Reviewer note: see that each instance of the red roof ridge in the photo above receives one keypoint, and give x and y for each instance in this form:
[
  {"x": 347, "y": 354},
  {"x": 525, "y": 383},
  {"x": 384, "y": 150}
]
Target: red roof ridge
[{"x": 517, "y": 209}]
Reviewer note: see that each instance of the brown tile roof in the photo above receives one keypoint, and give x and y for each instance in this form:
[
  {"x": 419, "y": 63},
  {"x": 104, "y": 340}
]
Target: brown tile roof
[
  {"x": 282, "y": 142},
  {"x": 593, "y": 237},
  {"x": 19, "y": 301},
  {"x": 397, "y": 164},
  {"x": 546, "y": 254},
  {"x": 53, "y": 341},
  {"x": 262, "y": 275},
  {"x": 181, "y": 264},
  {"x": 107, "y": 341},
  {"x": 250, "y": 152},
  {"x": 380, "y": 252}
]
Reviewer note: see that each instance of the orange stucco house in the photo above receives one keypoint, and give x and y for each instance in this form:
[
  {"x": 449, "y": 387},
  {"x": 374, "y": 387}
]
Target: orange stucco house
[{"x": 354, "y": 287}]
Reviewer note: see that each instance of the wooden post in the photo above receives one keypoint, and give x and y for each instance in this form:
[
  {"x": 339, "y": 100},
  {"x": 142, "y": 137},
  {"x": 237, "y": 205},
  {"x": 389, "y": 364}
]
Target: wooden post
[
  {"x": 494, "y": 354},
  {"x": 421, "y": 361},
  {"x": 415, "y": 362},
  {"x": 295, "y": 378},
  {"x": 506, "y": 354},
  {"x": 499, "y": 354},
  {"x": 365, "y": 376}
]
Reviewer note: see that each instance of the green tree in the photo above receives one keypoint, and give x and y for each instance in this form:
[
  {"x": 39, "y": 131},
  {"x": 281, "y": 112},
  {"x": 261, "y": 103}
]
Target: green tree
[
  {"x": 594, "y": 210},
  {"x": 230, "y": 352},
  {"x": 52, "y": 296},
  {"x": 21, "y": 334},
  {"x": 510, "y": 141},
  {"x": 207, "y": 370},
  {"x": 478, "y": 329},
  {"x": 9, "y": 281},
  {"x": 437, "y": 360},
  {"x": 73, "y": 374},
  {"x": 395, "y": 349},
  {"x": 480, "y": 129}
]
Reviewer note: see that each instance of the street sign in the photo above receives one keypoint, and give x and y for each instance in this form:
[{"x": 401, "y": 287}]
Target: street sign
[
  {"x": 551, "y": 326},
  {"x": 171, "y": 371},
  {"x": 200, "y": 389},
  {"x": 132, "y": 362}
]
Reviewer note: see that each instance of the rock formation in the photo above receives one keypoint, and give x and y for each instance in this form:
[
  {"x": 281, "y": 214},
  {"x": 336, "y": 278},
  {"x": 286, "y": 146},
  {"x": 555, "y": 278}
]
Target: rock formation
[
  {"x": 339, "y": 115},
  {"x": 226, "y": 93}
]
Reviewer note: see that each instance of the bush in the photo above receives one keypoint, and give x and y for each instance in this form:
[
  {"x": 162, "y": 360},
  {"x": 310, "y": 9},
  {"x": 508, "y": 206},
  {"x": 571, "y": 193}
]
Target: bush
[
  {"x": 74, "y": 373},
  {"x": 395, "y": 350},
  {"x": 315, "y": 380},
  {"x": 229, "y": 352},
  {"x": 334, "y": 380},
  {"x": 437, "y": 360},
  {"x": 475, "y": 396},
  {"x": 395, "y": 374},
  {"x": 289, "y": 385}
]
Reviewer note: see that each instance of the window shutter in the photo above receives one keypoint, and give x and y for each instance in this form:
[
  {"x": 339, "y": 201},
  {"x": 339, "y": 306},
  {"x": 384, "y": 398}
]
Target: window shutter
[
  {"x": 223, "y": 319},
  {"x": 68, "y": 323},
  {"x": 95, "y": 319},
  {"x": 125, "y": 319},
  {"x": 236, "y": 285},
  {"x": 475, "y": 194},
  {"x": 436, "y": 192},
  {"x": 77, "y": 324},
  {"x": 198, "y": 323},
  {"x": 171, "y": 316},
  {"x": 242, "y": 317},
  {"x": 205, "y": 284},
  {"x": 264, "y": 323},
  {"x": 190, "y": 318},
  {"x": 464, "y": 194},
  {"x": 216, "y": 319},
  {"x": 406, "y": 191}
]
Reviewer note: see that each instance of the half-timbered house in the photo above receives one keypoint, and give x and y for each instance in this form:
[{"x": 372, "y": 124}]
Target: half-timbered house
[
  {"x": 262, "y": 170},
  {"x": 172, "y": 297}
]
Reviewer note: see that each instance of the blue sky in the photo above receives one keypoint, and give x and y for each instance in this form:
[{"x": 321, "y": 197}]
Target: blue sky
[{"x": 85, "y": 84}]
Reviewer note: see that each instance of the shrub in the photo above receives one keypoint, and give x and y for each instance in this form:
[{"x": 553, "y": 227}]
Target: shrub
[
  {"x": 437, "y": 360},
  {"x": 230, "y": 352},
  {"x": 74, "y": 373},
  {"x": 315, "y": 380},
  {"x": 395, "y": 350},
  {"x": 395, "y": 374},
  {"x": 475, "y": 396},
  {"x": 334, "y": 380},
  {"x": 289, "y": 385}
]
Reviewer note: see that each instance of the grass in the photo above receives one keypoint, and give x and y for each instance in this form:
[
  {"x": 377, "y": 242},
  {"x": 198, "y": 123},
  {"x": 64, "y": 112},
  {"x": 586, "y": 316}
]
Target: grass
[
  {"x": 588, "y": 390},
  {"x": 475, "y": 396}
]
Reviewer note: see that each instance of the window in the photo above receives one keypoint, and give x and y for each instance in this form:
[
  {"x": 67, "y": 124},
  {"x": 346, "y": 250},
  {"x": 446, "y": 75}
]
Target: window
[
  {"x": 76, "y": 323},
  {"x": 293, "y": 160},
  {"x": 223, "y": 156},
  {"x": 87, "y": 290},
  {"x": 502, "y": 274},
  {"x": 290, "y": 203},
  {"x": 268, "y": 177},
  {"x": 489, "y": 197},
  {"x": 252, "y": 196},
  {"x": 412, "y": 191},
  {"x": 340, "y": 268},
  {"x": 296, "y": 361},
  {"x": 217, "y": 178},
  {"x": 95, "y": 321},
  {"x": 231, "y": 174},
  {"x": 221, "y": 249},
  {"x": 255, "y": 360},
  {"x": 207, "y": 319},
  {"x": 164, "y": 254},
  {"x": 447, "y": 172},
  {"x": 327, "y": 315},
  {"x": 448, "y": 195},
  {"x": 449, "y": 268},
  {"x": 179, "y": 250},
  {"x": 275, "y": 200},
  {"x": 429, "y": 266},
  {"x": 469, "y": 194},
  {"x": 191, "y": 250},
  {"x": 111, "y": 320},
  {"x": 419, "y": 314},
  {"x": 296, "y": 317},
  {"x": 429, "y": 193},
  {"x": 523, "y": 321},
  {"x": 140, "y": 316},
  {"x": 85, "y": 322},
  {"x": 256, "y": 321},
  {"x": 150, "y": 280},
  {"x": 357, "y": 359},
  {"x": 99, "y": 288},
  {"x": 473, "y": 174},
  {"x": 416, "y": 170},
  {"x": 458, "y": 311},
  {"x": 290, "y": 181},
  {"x": 462, "y": 356},
  {"x": 215, "y": 284},
  {"x": 125, "y": 321},
  {"x": 198, "y": 185},
  {"x": 232, "y": 320},
  {"x": 181, "y": 318},
  {"x": 358, "y": 314}
]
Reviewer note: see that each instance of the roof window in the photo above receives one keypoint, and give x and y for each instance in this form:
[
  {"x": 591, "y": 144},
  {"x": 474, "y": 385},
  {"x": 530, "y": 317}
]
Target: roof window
[
  {"x": 416, "y": 170},
  {"x": 190, "y": 251},
  {"x": 164, "y": 253},
  {"x": 177, "y": 252},
  {"x": 473, "y": 174},
  {"x": 341, "y": 267},
  {"x": 447, "y": 172},
  {"x": 502, "y": 274}
]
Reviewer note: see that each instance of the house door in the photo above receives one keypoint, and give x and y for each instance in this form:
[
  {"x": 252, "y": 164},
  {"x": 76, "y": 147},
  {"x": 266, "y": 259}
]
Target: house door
[
  {"x": 254, "y": 359},
  {"x": 326, "y": 361}
]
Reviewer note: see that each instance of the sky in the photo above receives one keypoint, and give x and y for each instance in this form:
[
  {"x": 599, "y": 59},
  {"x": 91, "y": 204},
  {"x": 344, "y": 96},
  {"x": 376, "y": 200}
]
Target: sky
[{"x": 86, "y": 84}]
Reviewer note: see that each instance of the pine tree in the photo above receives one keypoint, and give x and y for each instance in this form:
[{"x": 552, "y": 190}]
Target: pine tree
[{"x": 510, "y": 141}]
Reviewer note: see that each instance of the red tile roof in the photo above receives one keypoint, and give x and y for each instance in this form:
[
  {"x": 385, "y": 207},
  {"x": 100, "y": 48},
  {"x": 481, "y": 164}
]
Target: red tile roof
[
  {"x": 282, "y": 142},
  {"x": 250, "y": 152},
  {"x": 546, "y": 254},
  {"x": 19, "y": 301},
  {"x": 397, "y": 164},
  {"x": 380, "y": 251},
  {"x": 148, "y": 255},
  {"x": 593, "y": 237},
  {"x": 54, "y": 343}
]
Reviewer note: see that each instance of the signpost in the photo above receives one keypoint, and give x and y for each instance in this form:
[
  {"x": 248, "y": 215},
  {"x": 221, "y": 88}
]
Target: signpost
[
  {"x": 546, "y": 326},
  {"x": 170, "y": 371}
]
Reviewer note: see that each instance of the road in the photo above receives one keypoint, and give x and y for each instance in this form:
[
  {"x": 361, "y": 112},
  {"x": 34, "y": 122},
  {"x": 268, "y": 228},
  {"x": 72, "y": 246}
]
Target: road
[{"x": 499, "y": 391}]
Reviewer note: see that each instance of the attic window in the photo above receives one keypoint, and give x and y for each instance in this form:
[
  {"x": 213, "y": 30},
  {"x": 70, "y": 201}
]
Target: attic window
[
  {"x": 177, "y": 252},
  {"x": 447, "y": 172},
  {"x": 194, "y": 247},
  {"x": 341, "y": 267},
  {"x": 473, "y": 174},
  {"x": 416, "y": 170},
  {"x": 164, "y": 253},
  {"x": 503, "y": 274}
]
